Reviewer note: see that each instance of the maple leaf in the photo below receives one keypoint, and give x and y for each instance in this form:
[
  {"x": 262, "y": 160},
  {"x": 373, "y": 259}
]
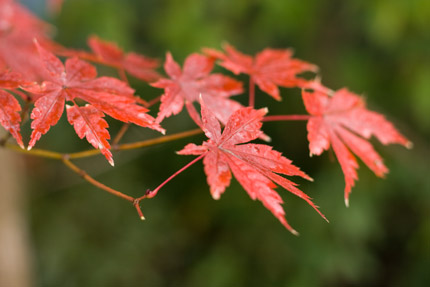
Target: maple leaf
[
  {"x": 255, "y": 166},
  {"x": 185, "y": 86},
  {"x": 18, "y": 28},
  {"x": 78, "y": 79},
  {"x": 10, "y": 117},
  {"x": 343, "y": 122},
  {"x": 269, "y": 69},
  {"x": 137, "y": 65},
  {"x": 88, "y": 122}
]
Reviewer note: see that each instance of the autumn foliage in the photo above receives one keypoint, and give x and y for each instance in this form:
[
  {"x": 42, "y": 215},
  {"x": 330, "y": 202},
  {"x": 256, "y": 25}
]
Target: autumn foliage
[{"x": 40, "y": 79}]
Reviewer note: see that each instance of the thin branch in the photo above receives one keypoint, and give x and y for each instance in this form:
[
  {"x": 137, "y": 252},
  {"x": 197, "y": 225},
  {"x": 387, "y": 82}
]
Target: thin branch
[
  {"x": 156, "y": 141},
  {"x": 94, "y": 182},
  {"x": 93, "y": 152},
  {"x": 36, "y": 152},
  {"x": 286, "y": 118},
  {"x": 65, "y": 158}
]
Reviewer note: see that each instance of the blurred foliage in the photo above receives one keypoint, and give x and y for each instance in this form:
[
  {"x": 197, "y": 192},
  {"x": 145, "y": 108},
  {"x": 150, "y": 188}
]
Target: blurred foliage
[{"x": 84, "y": 237}]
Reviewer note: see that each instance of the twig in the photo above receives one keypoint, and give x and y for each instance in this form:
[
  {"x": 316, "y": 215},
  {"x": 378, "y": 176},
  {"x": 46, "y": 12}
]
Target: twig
[
  {"x": 93, "y": 152},
  {"x": 159, "y": 140},
  {"x": 94, "y": 182},
  {"x": 65, "y": 158}
]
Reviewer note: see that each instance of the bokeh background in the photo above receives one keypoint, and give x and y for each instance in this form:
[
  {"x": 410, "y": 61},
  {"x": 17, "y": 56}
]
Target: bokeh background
[{"x": 81, "y": 236}]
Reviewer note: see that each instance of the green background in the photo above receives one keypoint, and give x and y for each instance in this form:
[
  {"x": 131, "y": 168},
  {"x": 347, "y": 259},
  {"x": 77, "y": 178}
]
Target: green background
[{"x": 82, "y": 236}]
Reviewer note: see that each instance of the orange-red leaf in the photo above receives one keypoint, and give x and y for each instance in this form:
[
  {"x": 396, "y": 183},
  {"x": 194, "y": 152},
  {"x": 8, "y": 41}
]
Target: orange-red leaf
[
  {"x": 88, "y": 122},
  {"x": 193, "y": 80},
  {"x": 257, "y": 167},
  {"x": 10, "y": 117},
  {"x": 46, "y": 112},
  {"x": 343, "y": 122},
  {"x": 140, "y": 66},
  {"x": 268, "y": 69}
]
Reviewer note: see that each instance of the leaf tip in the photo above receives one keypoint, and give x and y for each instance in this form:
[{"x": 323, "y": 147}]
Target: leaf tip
[
  {"x": 265, "y": 138},
  {"x": 142, "y": 217},
  {"x": 347, "y": 202},
  {"x": 294, "y": 232},
  {"x": 409, "y": 145}
]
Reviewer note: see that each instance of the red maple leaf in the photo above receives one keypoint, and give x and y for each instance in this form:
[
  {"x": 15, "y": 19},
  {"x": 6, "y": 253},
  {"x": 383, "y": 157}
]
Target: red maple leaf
[
  {"x": 185, "y": 86},
  {"x": 78, "y": 79},
  {"x": 10, "y": 118},
  {"x": 255, "y": 166},
  {"x": 18, "y": 28},
  {"x": 88, "y": 122},
  {"x": 269, "y": 69},
  {"x": 137, "y": 65},
  {"x": 343, "y": 122}
]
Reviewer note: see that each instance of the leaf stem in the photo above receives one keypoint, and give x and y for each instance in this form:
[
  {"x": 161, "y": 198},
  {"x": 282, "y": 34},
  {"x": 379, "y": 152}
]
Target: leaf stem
[
  {"x": 251, "y": 92},
  {"x": 286, "y": 118},
  {"x": 154, "y": 101},
  {"x": 123, "y": 76},
  {"x": 151, "y": 194},
  {"x": 120, "y": 134}
]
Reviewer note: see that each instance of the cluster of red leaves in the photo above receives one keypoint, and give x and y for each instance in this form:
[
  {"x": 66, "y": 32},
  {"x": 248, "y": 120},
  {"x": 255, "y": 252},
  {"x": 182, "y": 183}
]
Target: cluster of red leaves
[
  {"x": 78, "y": 80},
  {"x": 29, "y": 69},
  {"x": 73, "y": 82},
  {"x": 18, "y": 28}
]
